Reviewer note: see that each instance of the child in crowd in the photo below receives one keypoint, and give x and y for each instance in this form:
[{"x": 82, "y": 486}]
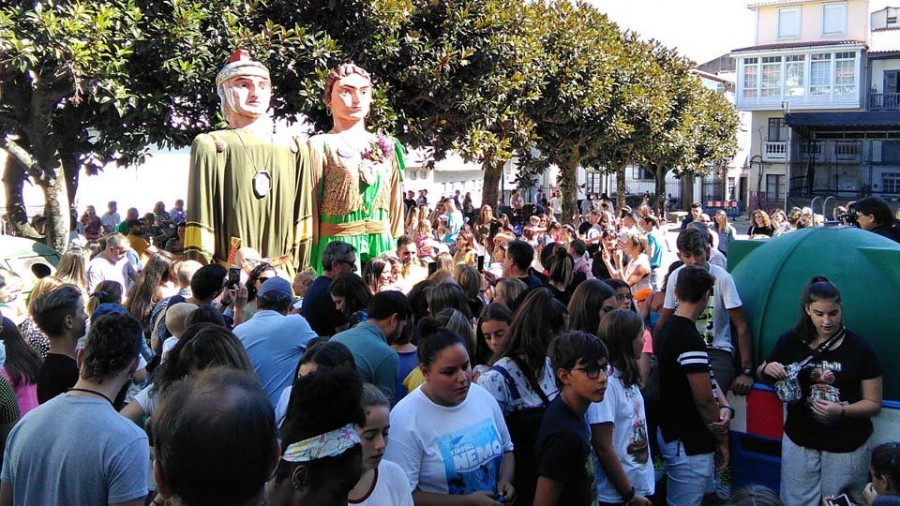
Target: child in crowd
[
  {"x": 176, "y": 322},
  {"x": 382, "y": 481},
  {"x": 302, "y": 281},
  {"x": 884, "y": 489},
  {"x": 565, "y": 465}
]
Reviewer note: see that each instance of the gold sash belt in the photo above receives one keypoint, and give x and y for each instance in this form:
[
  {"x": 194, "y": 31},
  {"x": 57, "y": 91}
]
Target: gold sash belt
[{"x": 352, "y": 228}]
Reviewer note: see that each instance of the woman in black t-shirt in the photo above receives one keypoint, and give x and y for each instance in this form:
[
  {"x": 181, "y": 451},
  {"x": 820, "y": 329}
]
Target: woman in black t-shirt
[{"x": 836, "y": 390}]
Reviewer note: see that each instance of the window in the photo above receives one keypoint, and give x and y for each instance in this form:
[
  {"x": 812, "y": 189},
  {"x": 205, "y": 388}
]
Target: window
[
  {"x": 820, "y": 74},
  {"x": 890, "y": 182},
  {"x": 593, "y": 182},
  {"x": 774, "y": 187},
  {"x": 771, "y": 76},
  {"x": 845, "y": 73},
  {"x": 834, "y": 19},
  {"x": 777, "y": 130},
  {"x": 751, "y": 77},
  {"x": 794, "y": 81},
  {"x": 789, "y": 23},
  {"x": 638, "y": 172}
]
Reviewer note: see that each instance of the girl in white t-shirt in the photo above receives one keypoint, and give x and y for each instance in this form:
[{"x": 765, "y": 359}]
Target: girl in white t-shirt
[
  {"x": 619, "y": 424},
  {"x": 382, "y": 482},
  {"x": 448, "y": 435}
]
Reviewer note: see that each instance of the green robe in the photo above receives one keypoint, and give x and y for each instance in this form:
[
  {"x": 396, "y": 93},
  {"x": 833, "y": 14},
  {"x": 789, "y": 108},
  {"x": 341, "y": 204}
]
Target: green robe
[
  {"x": 343, "y": 197},
  {"x": 225, "y": 214}
]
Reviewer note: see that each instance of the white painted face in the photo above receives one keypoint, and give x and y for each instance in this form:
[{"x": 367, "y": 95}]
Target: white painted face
[
  {"x": 351, "y": 98},
  {"x": 246, "y": 96}
]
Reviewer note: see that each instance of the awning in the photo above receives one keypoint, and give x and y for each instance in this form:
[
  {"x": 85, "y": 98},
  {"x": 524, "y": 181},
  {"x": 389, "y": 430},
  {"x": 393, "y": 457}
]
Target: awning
[{"x": 844, "y": 120}]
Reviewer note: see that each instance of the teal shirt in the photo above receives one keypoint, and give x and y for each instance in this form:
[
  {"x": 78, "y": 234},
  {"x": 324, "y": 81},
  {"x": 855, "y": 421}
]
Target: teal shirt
[{"x": 376, "y": 362}]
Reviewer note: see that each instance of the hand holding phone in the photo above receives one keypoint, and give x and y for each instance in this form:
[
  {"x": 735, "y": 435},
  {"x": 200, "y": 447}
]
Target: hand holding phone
[{"x": 841, "y": 500}]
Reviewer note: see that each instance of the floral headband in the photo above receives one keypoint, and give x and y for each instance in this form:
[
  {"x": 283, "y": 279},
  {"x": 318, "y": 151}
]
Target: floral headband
[{"x": 330, "y": 444}]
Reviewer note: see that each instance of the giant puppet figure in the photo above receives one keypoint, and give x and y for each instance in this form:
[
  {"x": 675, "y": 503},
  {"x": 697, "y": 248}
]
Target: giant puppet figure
[
  {"x": 356, "y": 175},
  {"x": 244, "y": 188}
]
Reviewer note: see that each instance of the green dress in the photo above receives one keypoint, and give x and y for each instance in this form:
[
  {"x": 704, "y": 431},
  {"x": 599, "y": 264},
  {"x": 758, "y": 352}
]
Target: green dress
[
  {"x": 358, "y": 201},
  {"x": 230, "y": 205}
]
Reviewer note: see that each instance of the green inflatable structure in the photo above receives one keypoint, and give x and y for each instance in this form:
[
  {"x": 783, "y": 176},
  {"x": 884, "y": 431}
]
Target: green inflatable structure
[{"x": 770, "y": 277}]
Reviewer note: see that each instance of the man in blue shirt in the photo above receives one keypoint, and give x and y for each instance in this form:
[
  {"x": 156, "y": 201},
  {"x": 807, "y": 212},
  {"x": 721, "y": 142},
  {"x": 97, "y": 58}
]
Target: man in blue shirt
[
  {"x": 274, "y": 341},
  {"x": 376, "y": 361},
  {"x": 318, "y": 308}
]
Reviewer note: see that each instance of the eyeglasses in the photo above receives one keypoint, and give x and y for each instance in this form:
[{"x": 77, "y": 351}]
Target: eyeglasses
[
  {"x": 593, "y": 372},
  {"x": 621, "y": 297},
  {"x": 351, "y": 264}
]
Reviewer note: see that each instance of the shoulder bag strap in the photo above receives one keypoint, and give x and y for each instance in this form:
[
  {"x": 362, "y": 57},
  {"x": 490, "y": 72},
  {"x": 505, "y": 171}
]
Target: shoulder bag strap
[
  {"x": 510, "y": 382},
  {"x": 532, "y": 381}
]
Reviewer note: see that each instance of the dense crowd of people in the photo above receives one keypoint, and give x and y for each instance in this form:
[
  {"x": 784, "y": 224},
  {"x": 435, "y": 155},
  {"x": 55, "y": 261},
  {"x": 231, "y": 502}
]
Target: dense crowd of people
[{"x": 490, "y": 358}]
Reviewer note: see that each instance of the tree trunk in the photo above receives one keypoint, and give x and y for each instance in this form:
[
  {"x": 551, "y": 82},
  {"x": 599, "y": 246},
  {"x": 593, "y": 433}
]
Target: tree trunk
[
  {"x": 71, "y": 169},
  {"x": 568, "y": 185},
  {"x": 56, "y": 197},
  {"x": 621, "y": 189},
  {"x": 56, "y": 210},
  {"x": 13, "y": 180},
  {"x": 659, "y": 176},
  {"x": 490, "y": 191}
]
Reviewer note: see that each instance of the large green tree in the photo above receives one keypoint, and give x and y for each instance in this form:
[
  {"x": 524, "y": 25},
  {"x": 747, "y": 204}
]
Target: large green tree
[
  {"x": 699, "y": 130},
  {"x": 581, "y": 51},
  {"x": 466, "y": 73},
  {"x": 86, "y": 84}
]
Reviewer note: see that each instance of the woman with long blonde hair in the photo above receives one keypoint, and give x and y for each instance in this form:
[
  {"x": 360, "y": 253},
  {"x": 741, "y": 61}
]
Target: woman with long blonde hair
[{"x": 72, "y": 268}]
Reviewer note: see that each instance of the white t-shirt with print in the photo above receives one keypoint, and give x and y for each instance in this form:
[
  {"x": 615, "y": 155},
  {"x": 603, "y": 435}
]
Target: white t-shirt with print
[
  {"x": 717, "y": 332},
  {"x": 391, "y": 487},
  {"x": 624, "y": 407},
  {"x": 449, "y": 450},
  {"x": 496, "y": 385}
]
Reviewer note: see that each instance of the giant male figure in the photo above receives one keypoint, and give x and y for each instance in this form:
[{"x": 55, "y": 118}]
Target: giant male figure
[{"x": 244, "y": 188}]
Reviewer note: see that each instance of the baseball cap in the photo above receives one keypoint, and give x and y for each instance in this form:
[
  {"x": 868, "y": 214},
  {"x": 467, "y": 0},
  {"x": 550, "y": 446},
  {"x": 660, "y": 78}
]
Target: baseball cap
[{"x": 275, "y": 285}]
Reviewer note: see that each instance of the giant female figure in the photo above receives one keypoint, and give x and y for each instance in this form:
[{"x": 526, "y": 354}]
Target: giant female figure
[{"x": 356, "y": 174}]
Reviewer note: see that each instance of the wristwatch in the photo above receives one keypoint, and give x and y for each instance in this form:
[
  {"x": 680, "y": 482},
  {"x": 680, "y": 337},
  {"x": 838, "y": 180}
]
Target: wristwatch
[{"x": 747, "y": 372}]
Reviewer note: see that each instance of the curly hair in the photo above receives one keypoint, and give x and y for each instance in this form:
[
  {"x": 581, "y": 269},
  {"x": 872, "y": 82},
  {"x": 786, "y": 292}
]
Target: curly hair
[
  {"x": 342, "y": 70},
  {"x": 112, "y": 345},
  {"x": 253, "y": 277},
  {"x": 322, "y": 402}
]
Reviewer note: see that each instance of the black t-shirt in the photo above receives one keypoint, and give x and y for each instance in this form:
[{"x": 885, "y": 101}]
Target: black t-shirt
[
  {"x": 562, "y": 296},
  {"x": 836, "y": 376},
  {"x": 564, "y": 453},
  {"x": 754, "y": 230},
  {"x": 58, "y": 374},
  {"x": 681, "y": 351},
  {"x": 531, "y": 281},
  {"x": 318, "y": 308},
  {"x": 584, "y": 227}
]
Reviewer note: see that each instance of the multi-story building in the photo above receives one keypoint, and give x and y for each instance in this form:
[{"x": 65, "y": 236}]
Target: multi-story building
[{"x": 822, "y": 88}]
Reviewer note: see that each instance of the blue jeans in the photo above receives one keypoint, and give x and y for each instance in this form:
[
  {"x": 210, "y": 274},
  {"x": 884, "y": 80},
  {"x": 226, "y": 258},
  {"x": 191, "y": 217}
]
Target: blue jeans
[{"x": 689, "y": 477}]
